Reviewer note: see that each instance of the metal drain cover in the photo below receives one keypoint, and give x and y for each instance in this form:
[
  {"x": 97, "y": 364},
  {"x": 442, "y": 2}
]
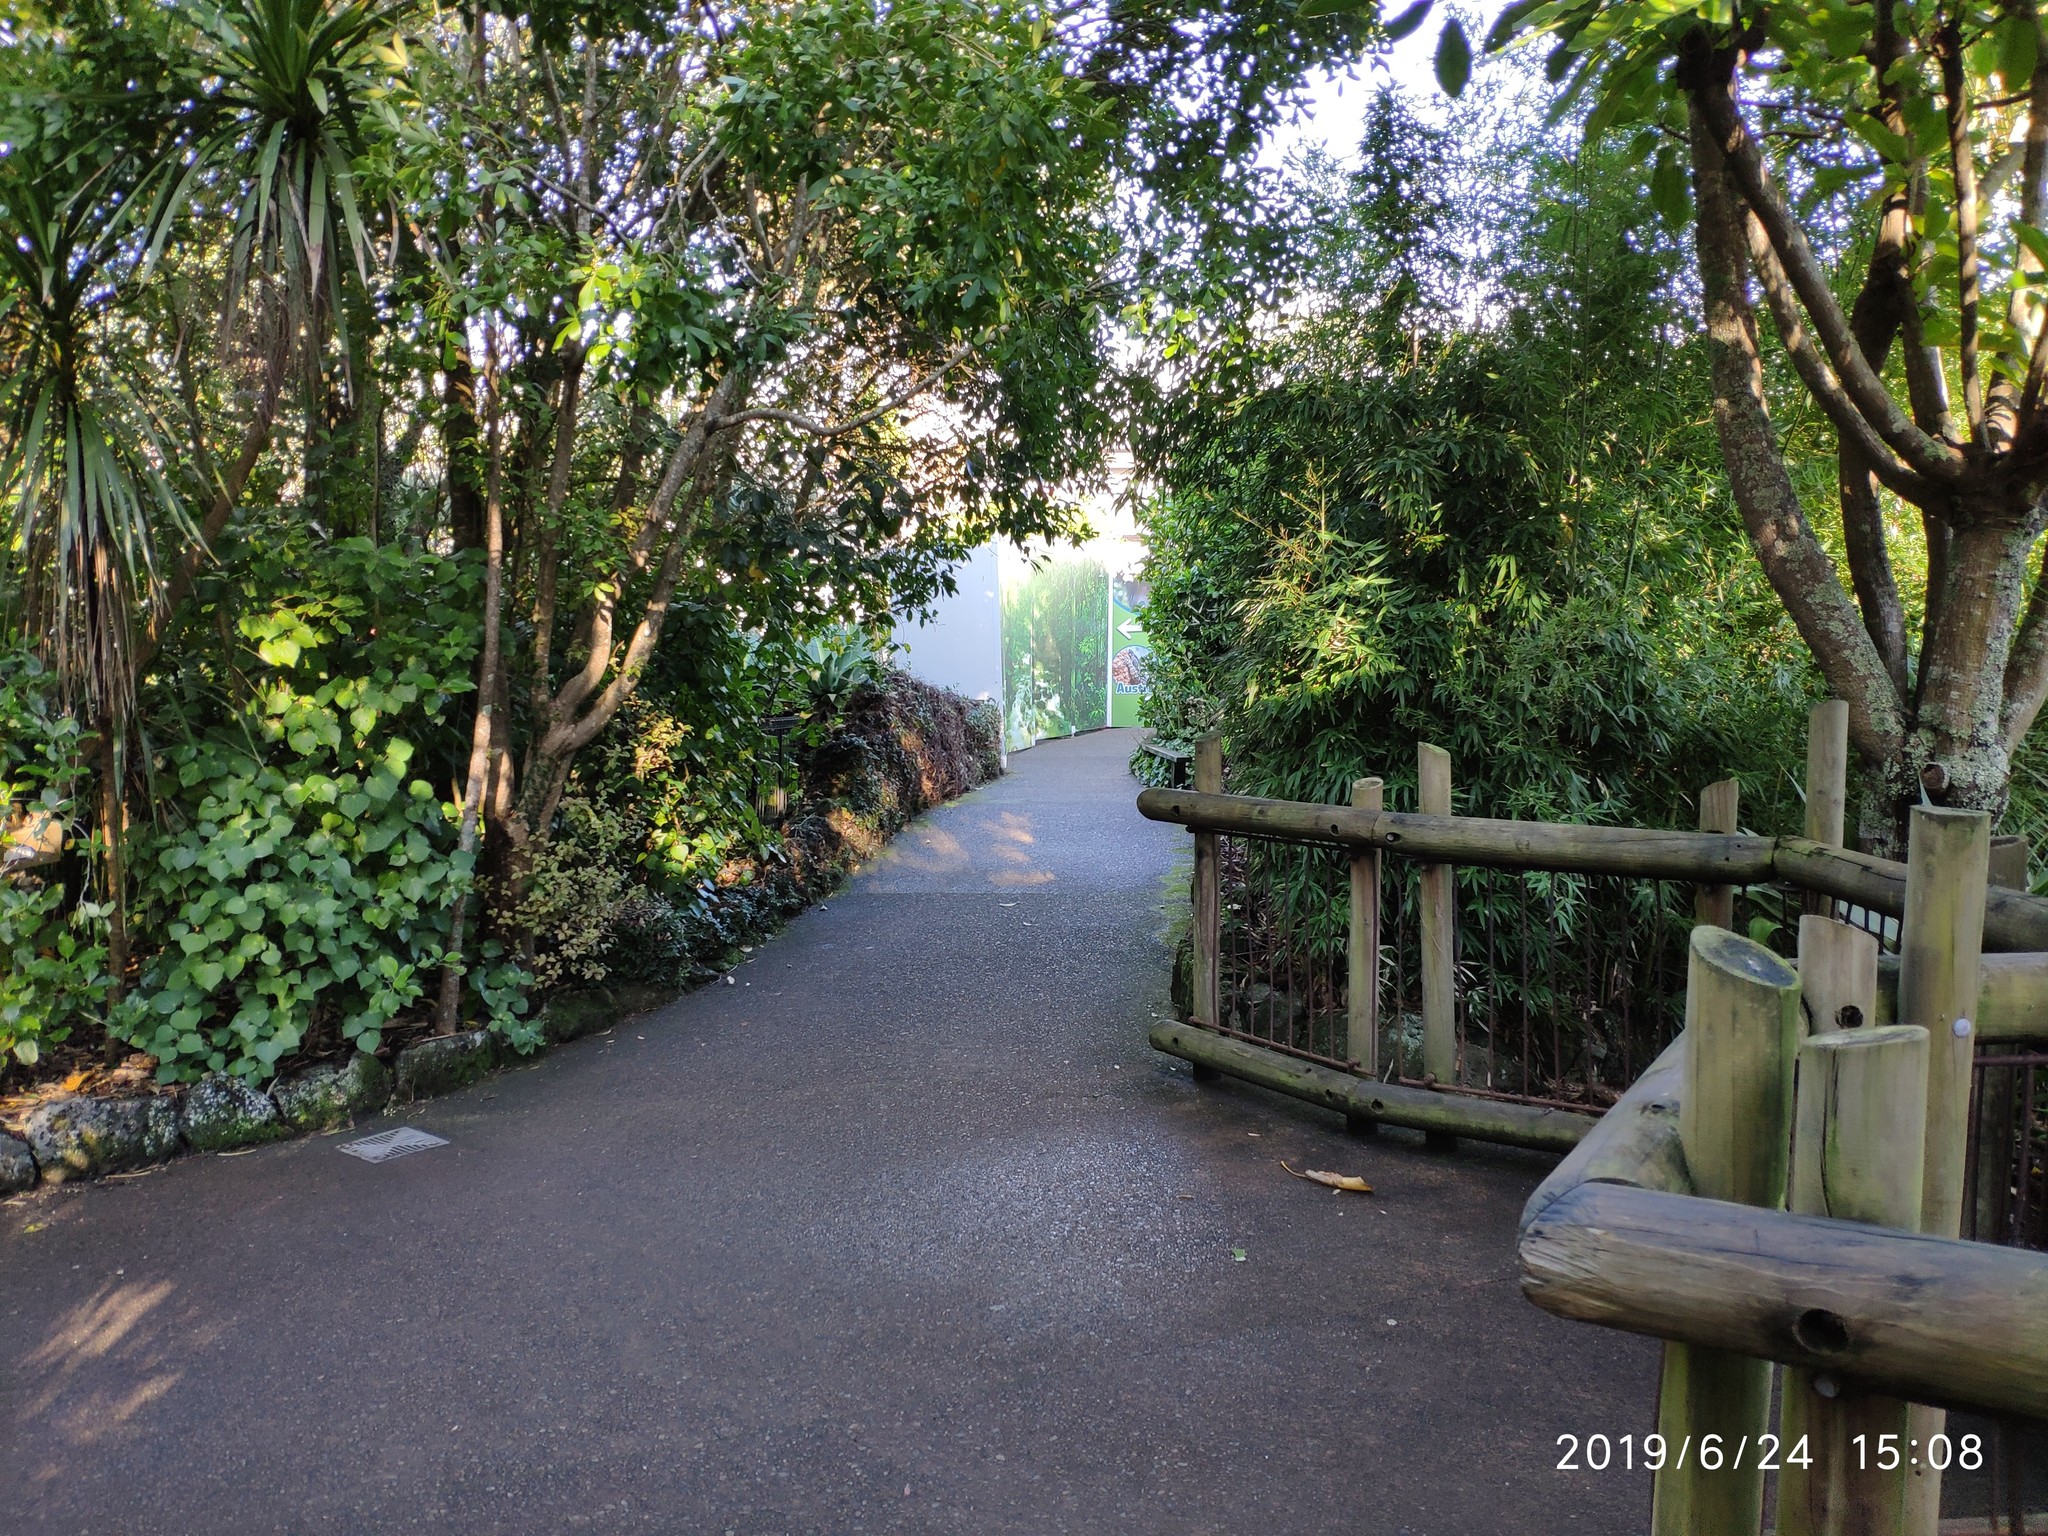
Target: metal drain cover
[{"x": 386, "y": 1145}]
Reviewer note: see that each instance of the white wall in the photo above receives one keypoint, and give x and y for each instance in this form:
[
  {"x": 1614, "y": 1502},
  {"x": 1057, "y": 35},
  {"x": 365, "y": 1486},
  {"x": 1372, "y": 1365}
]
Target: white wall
[{"x": 962, "y": 647}]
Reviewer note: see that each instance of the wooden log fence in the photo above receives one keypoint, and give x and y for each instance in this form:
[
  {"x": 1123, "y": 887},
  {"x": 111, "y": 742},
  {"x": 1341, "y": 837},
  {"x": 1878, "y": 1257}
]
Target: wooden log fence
[
  {"x": 1693, "y": 1211},
  {"x": 1923, "y": 1318},
  {"x": 1742, "y": 1034},
  {"x": 1365, "y": 1101},
  {"x": 1362, "y": 954},
  {"x": 2013, "y": 920},
  {"x": 1439, "y": 926},
  {"x": 1857, "y": 1156}
]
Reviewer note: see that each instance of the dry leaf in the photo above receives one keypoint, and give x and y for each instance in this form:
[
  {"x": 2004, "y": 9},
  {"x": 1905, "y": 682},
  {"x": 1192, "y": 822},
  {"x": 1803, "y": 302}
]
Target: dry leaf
[{"x": 1336, "y": 1182}]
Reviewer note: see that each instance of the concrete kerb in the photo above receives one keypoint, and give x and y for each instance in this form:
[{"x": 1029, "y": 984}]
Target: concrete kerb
[{"x": 88, "y": 1136}]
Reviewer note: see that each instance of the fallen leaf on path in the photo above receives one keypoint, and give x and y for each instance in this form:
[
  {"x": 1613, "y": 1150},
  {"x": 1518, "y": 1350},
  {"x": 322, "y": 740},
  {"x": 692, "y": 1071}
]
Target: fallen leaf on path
[
  {"x": 1237, "y": 1255},
  {"x": 1336, "y": 1182}
]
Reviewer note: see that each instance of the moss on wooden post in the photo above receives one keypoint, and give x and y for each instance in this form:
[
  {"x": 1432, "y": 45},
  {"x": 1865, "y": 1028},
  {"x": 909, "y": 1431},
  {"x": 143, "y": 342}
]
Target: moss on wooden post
[
  {"x": 1948, "y": 860},
  {"x": 1742, "y": 1032},
  {"x": 1856, "y": 1156},
  {"x": 1439, "y": 980},
  {"x": 1363, "y": 950}
]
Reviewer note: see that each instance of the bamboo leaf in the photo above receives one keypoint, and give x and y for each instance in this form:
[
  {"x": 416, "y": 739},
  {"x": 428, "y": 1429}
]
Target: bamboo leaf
[
  {"x": 1453, "y": 58},
  {"x": 2019, "y": 47},
  {"x": 2035, "y": 242},
  {"x": 1405, "y": 23}
]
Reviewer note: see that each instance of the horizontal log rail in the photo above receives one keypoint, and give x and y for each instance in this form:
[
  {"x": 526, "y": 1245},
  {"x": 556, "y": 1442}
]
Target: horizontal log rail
[
  {"x": 1707, "y": 858},
  {"x": 1930, "y": 1319},
  {"x": 1616, "y": 1237},
  {"x": 1361, "y": 1099},
  {"x": 2013, "y": 920},
  {"x": 2012, "y": 996}
]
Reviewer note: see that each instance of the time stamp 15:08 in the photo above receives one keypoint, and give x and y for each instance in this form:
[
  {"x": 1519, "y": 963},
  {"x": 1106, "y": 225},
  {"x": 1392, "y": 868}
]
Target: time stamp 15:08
[{"x": 1762, "y": 1453}]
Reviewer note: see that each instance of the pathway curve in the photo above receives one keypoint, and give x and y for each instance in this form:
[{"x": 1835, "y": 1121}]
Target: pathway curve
[{"x": 908, "y": 1232}]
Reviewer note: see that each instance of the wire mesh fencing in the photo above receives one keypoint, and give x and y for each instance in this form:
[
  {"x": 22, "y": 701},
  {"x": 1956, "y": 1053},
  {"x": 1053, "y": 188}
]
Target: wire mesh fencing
[{"x": 1566, "y": 987}]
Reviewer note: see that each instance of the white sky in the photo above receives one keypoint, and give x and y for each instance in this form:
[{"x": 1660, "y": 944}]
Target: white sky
[{"x": 1335, "y": 118}]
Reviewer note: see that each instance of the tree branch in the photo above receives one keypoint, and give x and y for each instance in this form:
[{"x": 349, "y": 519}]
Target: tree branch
[
  {"x": 1796, "y": 565},
  {"x": 1714, "y": 105},
  {"x": 546, "y": 569},
  {"x": 1819, "y": 378},
  {"x": 1875, "y": 319},
  {"x": 1963, "y": 161},
  {"x": 2026, "y": 669},
  {"x": 2033, "y": 207},
  {"x": 816, "y": 428}
]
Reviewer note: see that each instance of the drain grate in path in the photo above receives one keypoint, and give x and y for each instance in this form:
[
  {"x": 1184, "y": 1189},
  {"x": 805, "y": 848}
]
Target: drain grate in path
[{"x": 386, "y": 1145}]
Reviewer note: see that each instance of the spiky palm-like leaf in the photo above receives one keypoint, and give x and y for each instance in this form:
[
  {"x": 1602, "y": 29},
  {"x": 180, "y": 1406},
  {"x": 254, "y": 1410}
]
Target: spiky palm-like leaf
[
  {"x": 81, "y": 456},
  {"x": 278, "y": 104}
]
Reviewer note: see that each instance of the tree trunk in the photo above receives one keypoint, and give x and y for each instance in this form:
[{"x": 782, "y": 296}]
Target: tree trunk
[
  {"x": 490, "y": 665},
  {"x": 113, "y": 827},
  {"x": 459, "y": 454},
  {"x": 1947, "y": 739}
]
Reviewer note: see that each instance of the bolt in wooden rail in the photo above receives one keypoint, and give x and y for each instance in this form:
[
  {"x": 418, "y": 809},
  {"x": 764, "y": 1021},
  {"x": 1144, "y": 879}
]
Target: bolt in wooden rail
[
  {"x": 1948, "y": 864},
  {"x": 2012, "y": 996},
  {"x": 1856, "y": 1156},
  {"x": 1439, "y": 927},
  {"x": 1714, "y": 905},
  {"x": 1363, "y": 949},
  {"x": 1742, "y": 1033}
]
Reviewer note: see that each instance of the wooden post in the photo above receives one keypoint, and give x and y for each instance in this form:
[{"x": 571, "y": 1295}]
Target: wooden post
[
  {"x": 1856, "y": 1156},
  {"x": 1714, "y": 905},
  {"x": 1742, "y": 1034},
  {"x": 1363, "y": 953},
  {"x": 2011, "y": 856},
  {"x": 1998, "y": 1089},
  {"x": 1837, "y": 977},
  {"x": 1439, "y": 980},
  {"x": 1948, "y": 858},
  {"x": 1206, "y": 1001},
  {"x": 1827, "y": 771}
]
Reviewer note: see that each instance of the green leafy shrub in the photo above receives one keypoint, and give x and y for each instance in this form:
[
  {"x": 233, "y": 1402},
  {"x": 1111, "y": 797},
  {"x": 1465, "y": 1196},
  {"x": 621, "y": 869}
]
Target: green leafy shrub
[
  {"x": 576, "y": 889},
  {"x": 1474, "y": 500},
  {"x": 53, "y": 957},
  {"x": 835, "y": 665},
  {"x": 53, "y": 967},
  {"x": 302, "y": 875}
]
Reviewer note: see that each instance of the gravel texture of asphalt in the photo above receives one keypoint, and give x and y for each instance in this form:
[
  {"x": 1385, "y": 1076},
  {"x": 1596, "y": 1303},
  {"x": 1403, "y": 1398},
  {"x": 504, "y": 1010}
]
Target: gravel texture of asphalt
[{"x": 907, "y": 1230}]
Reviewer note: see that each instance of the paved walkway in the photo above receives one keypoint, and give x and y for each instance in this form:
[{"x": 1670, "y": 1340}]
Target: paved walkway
[{"x": 910, "y": 1232}]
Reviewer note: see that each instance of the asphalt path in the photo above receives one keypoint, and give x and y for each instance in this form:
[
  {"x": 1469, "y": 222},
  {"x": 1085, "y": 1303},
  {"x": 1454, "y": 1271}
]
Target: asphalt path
[{"x": 905, "y": 1231}]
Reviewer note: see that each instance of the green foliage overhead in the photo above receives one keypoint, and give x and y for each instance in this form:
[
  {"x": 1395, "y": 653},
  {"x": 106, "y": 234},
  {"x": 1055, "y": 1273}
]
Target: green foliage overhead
[
  {"x": 425, "y": 434},
  {"x": 1393, "y": 521}
]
